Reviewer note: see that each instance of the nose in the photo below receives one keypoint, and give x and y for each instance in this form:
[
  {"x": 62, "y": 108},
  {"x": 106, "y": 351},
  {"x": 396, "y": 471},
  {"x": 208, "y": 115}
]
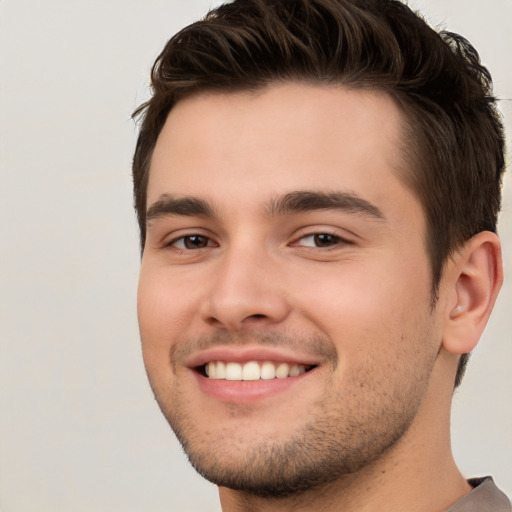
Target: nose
[{"x": 245, "y": 291}]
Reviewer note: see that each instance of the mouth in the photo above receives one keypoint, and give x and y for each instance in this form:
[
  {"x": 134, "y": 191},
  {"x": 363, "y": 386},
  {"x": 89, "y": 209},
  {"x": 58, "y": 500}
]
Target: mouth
[
  {"x": 250, "y": 373},
  {"x": 252, "y": 370}
]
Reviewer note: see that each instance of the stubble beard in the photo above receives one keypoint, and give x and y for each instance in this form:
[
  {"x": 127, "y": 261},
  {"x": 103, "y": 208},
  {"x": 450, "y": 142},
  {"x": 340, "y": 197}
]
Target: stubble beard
[
  {"x": 317, "y": 454},
  {"x": 348, "y": 431}
]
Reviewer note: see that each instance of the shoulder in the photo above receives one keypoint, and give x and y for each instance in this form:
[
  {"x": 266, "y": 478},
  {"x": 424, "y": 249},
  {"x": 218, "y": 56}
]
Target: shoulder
[{"x": 485, "y": 497}]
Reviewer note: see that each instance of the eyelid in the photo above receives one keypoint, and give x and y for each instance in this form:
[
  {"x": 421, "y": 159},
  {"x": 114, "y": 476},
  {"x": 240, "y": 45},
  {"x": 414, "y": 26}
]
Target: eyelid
[
  {"x": 174, "y": 242},
  {"x": 171, "y": 240},
  {"x": 342, "y": 239}
]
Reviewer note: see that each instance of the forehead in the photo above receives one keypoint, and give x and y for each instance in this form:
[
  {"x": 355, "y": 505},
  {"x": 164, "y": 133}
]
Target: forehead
[{"x": 245, "y": 147}]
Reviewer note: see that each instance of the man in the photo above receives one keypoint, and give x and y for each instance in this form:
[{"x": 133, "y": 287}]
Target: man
[{"x": 317, "y": 184}]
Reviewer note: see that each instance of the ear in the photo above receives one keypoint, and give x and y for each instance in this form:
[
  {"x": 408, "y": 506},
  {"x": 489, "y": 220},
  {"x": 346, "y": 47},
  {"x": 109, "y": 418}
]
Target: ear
[{"x": 474, "y": 277}]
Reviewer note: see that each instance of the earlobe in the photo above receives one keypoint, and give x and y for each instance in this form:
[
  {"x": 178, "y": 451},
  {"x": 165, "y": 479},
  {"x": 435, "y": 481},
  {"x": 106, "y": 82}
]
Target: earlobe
[{"x": 475, "y": 277}]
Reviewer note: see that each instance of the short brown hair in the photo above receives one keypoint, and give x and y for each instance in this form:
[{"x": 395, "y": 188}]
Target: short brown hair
[{"x": 455, "y": 142}]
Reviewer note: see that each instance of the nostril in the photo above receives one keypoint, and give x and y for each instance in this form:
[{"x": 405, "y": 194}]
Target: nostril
[{"x": 235, "y": 309}]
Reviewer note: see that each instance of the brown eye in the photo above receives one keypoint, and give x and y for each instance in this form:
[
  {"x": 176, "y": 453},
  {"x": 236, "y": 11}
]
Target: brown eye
[
  {"x": 191, "y": 242},
  {"x": 325, "y": 240},
  {"x": 320, "y": 240}
]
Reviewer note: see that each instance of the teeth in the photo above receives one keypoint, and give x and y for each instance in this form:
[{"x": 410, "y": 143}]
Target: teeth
[
  {"x": 220, "y": 370},
  {"x": 268, "y": 371},
  {"x": 216, "y": 370},
  {"x": 252, "y": 370},
  {"x": 282, "y": 371},
  {"x": 294, "y": 370},
  {"x": 233, "y": 371}
]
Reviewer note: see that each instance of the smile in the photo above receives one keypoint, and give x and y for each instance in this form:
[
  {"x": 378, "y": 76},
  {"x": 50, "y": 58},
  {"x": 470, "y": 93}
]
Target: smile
[
  {"x": 252, "y": 370},
  {"x": 250, "y": 373}
]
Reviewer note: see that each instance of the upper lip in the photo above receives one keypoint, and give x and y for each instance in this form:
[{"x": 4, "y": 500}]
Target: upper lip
[{"x": 244, "y": 354}]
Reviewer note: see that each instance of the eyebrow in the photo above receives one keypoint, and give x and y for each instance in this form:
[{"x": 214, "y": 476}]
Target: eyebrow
[
  {"x": 305, "y": 201},
  {"x": 186, "y": 206},
  {"x": 294, "y": 202}
]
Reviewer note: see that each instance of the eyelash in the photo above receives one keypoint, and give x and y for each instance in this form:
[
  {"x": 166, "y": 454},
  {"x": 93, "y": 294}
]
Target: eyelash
[
  {"x": 184, "y": 238},
  {"x": 334, "y": 240}
]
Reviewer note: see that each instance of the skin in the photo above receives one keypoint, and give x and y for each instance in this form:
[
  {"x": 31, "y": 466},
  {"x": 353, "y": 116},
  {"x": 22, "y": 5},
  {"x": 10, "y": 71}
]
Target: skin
[{"x": 245, "y": 276}]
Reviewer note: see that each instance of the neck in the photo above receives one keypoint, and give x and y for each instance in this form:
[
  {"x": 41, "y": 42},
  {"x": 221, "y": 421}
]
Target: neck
[
  {"x": 400, "y": 488},
  {"x": 417, "y": 474}
]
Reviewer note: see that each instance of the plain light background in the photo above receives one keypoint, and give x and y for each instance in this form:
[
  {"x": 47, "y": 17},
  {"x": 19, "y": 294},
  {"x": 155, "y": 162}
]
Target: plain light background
[{"x": 79, "y": 429}]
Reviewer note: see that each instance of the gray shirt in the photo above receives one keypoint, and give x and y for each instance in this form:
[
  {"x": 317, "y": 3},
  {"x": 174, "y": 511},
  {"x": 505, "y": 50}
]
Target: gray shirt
[{"x": 485, "y": 497}]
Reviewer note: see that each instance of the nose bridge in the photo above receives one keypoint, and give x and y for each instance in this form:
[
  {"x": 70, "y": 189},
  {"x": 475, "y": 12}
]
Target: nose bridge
[{"x": 245, "y": 288}]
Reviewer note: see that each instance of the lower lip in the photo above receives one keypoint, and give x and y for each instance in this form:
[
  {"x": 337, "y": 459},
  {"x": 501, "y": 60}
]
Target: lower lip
[{"x": 246, "y": 391}]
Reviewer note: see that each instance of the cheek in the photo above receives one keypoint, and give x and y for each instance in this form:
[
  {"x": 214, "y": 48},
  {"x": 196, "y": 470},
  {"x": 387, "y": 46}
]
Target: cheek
[
  {"x": 364, "y": 307},
  {"x": 164, "y": 304},
  {"x": 161, "y": 318},
  {"x": 382, "y": 331},
  {"x": 152, "y": 308}
]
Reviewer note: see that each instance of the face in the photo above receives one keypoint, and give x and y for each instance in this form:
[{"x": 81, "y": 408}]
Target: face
[{"x": 284, "y": 297}]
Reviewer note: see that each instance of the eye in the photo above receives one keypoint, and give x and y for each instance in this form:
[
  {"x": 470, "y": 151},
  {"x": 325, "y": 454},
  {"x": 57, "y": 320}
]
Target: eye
[
  {"x": 191, "y": 242},
  {"x": 320, "y": 240}
]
